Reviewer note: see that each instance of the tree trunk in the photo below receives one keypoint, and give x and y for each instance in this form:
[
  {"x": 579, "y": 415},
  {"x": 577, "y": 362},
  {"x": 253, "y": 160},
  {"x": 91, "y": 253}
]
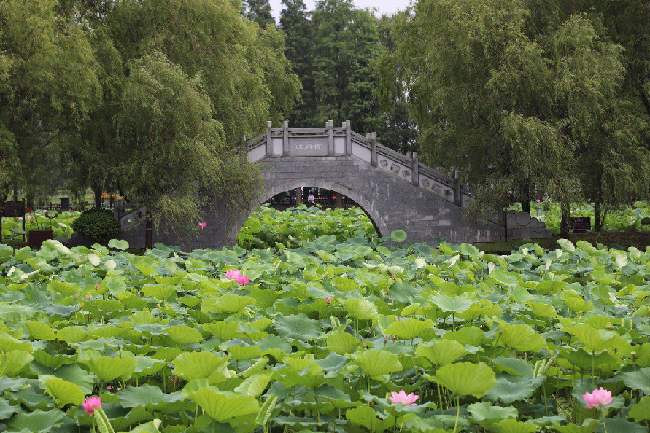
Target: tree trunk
[
  {"x": 148, "y": 232},
  {"x": 598, "y": 221},
  {"x": 525, "y": 206},
  {"x": 565, "y": 223},
  {"x": 98, "y": 197},
  {"x": 505, "y": 224}
]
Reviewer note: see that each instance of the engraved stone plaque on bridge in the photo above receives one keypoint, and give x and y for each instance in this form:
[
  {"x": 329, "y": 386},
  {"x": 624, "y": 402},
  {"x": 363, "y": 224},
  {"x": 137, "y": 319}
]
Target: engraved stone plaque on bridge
[{"x": 312, "y": 146}]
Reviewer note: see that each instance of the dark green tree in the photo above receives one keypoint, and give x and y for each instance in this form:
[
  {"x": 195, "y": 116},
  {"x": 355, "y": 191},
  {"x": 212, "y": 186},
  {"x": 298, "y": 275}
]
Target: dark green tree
[
  {"x": 396, "y": 128},
  {"x": 514, "y": 97},
  {"x": 294, "y": 21},
  {"x": 48, "y": 87},
  {"x": 260, "y": 12},
  {"x": 346, "y": 40},
  {"x": 243, "y": 68},
  {"x": 178, "y": 157}
]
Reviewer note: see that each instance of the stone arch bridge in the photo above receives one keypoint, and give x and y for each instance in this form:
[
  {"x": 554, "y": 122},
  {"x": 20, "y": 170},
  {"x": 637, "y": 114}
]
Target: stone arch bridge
[{"x": 395, "y": 190}]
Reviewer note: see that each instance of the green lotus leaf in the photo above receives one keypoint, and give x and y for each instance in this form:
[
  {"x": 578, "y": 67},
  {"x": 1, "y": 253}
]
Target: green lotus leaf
[
  {"x": 223, "y": 406},
  {"x": 9, "y": 343},
  {"x": 360, "y": 308},
  {"x": 411, "y": 422},
  {"x": 378, "y": 362},
  {"x": 466, "y": 378},
  {"x": 298, "y": 326},
  {"x": 144, "y": 395},
  {"x": 118, "y": 244},
  {"x": 509, "y": 391},
  {"x": 150, "y": 427},
  {"x": 639, "y": 379},
  {"x": 545, "y": 311},
  {"x": 366, "y": 416},
  {"x": 13, "y": 362},
  {"x": 159, "y": 291},
  {"x": 441, "y": 352},
  {"x": 408, "y": 328},
  {"x": 643, "y": 355},
  {"x": 62, "y": 391},
  {"x": 37, "y": 421},
  {"x": 244, "y": 352},
  {"x": 504, "y": 278},
  {"x": 71, "y": 334},
  {"x": 513, "y": 366},
  {"x": 109, "y": 368},
  {"x": 566, "y": 245},
  {"x": 593, "y": 340},
  {"x": 621, "y": 425},
  {"x": 521, "y": 337},
  {"x": 40, "y": 330},
  {"x": 641, "y": 410},
  {"x": 484, "y": 411},
  {"x": 7, "y": 410},
  {"x": 398, "y": 236},
  {"x": 254, "y": 386},
  {"x": 77, "y": 375},
  {"x": 146, "y": 366},
  {"x": 228, "y": 303},
  {"x": 223, "y": 330},
  {"x": 197, "y": 365},
  {"x": 183, "y": 334},
  {"x": 589, "y": 426},
  {"x": 470, "y": 335},
  {"x": 342, "y": 342},
  {"x": 451, "y": 303},
  {"x": 513, "y": 426},
  {"x": 344, "y": 284},
  {"x": 53, "y": 361}
]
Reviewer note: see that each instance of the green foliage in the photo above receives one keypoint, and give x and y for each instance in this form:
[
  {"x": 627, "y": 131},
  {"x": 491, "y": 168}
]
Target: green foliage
[
  {"x": 325, "y": 332},
  {"x": 97, "y": 225},
  {"x": 269, "y": 228},
  {"x": 523, "y": 96}
]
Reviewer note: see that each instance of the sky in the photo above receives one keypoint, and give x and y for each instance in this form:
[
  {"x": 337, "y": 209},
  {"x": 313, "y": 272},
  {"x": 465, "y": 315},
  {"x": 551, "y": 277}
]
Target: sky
[{"x": 383, "y": 6}]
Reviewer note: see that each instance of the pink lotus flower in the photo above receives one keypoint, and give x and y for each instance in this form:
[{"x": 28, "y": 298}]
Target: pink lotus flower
[
  {"x": 403, "y": 398},
  {"x": 91, "y": 404},
  {"x": 203, "y": 225},
  {"x": 329, "y": 299},
  {"x": 597, "y": 397},
  {"x": 237, "y": 276}
]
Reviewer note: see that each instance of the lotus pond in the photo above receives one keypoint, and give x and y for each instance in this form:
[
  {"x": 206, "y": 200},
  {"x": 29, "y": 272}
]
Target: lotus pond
[
  {"x": 318, "y": 338},
  {"x": 59, "y": 222}
]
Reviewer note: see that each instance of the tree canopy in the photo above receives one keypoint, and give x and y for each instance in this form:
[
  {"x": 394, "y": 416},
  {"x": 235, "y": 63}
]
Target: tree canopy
[
  {"x": 153, "y": 99},
  {"x": 522, "y": 97}
]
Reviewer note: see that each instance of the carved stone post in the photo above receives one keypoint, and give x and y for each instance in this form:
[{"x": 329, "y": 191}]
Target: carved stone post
[
  {"x": 372, "y": 137},
  {"x": 348, "y": 138},
  {"x": 285, "y": 138},
  {"x": 329, "y": 126},
  {"x": 415, "y": 169},
  {"x": 269, "y": 139}
]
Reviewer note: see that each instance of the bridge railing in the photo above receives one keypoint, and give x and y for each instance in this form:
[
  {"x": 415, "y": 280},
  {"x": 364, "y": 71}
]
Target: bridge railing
[{"x": 342, "y": 141}]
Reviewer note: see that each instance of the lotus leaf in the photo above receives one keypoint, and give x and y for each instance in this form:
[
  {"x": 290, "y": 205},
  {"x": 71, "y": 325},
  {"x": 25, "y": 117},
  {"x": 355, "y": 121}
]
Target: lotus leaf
[
  {"x": 224, "y": 406},
  {"x": 62, "y": 391},
  {"x": 441, "y": 352},
  {"x": 197, "y": 365},
  {"x": 466, "y": 378},
  {"x": 378, "y": 362}
]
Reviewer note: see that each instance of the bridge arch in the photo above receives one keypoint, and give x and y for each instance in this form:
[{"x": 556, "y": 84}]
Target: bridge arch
[
  {"x": 272, "y": 190},
  {"x": 395, "y": 190}
]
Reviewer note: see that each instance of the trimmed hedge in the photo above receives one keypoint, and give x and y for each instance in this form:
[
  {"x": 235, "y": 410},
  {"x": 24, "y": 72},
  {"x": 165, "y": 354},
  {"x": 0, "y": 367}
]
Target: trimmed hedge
[{"x": 97, "y": 225}]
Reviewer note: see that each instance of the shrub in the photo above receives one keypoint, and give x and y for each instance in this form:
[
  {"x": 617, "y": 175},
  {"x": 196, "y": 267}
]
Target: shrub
[{"x": 97, "y": 225}]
